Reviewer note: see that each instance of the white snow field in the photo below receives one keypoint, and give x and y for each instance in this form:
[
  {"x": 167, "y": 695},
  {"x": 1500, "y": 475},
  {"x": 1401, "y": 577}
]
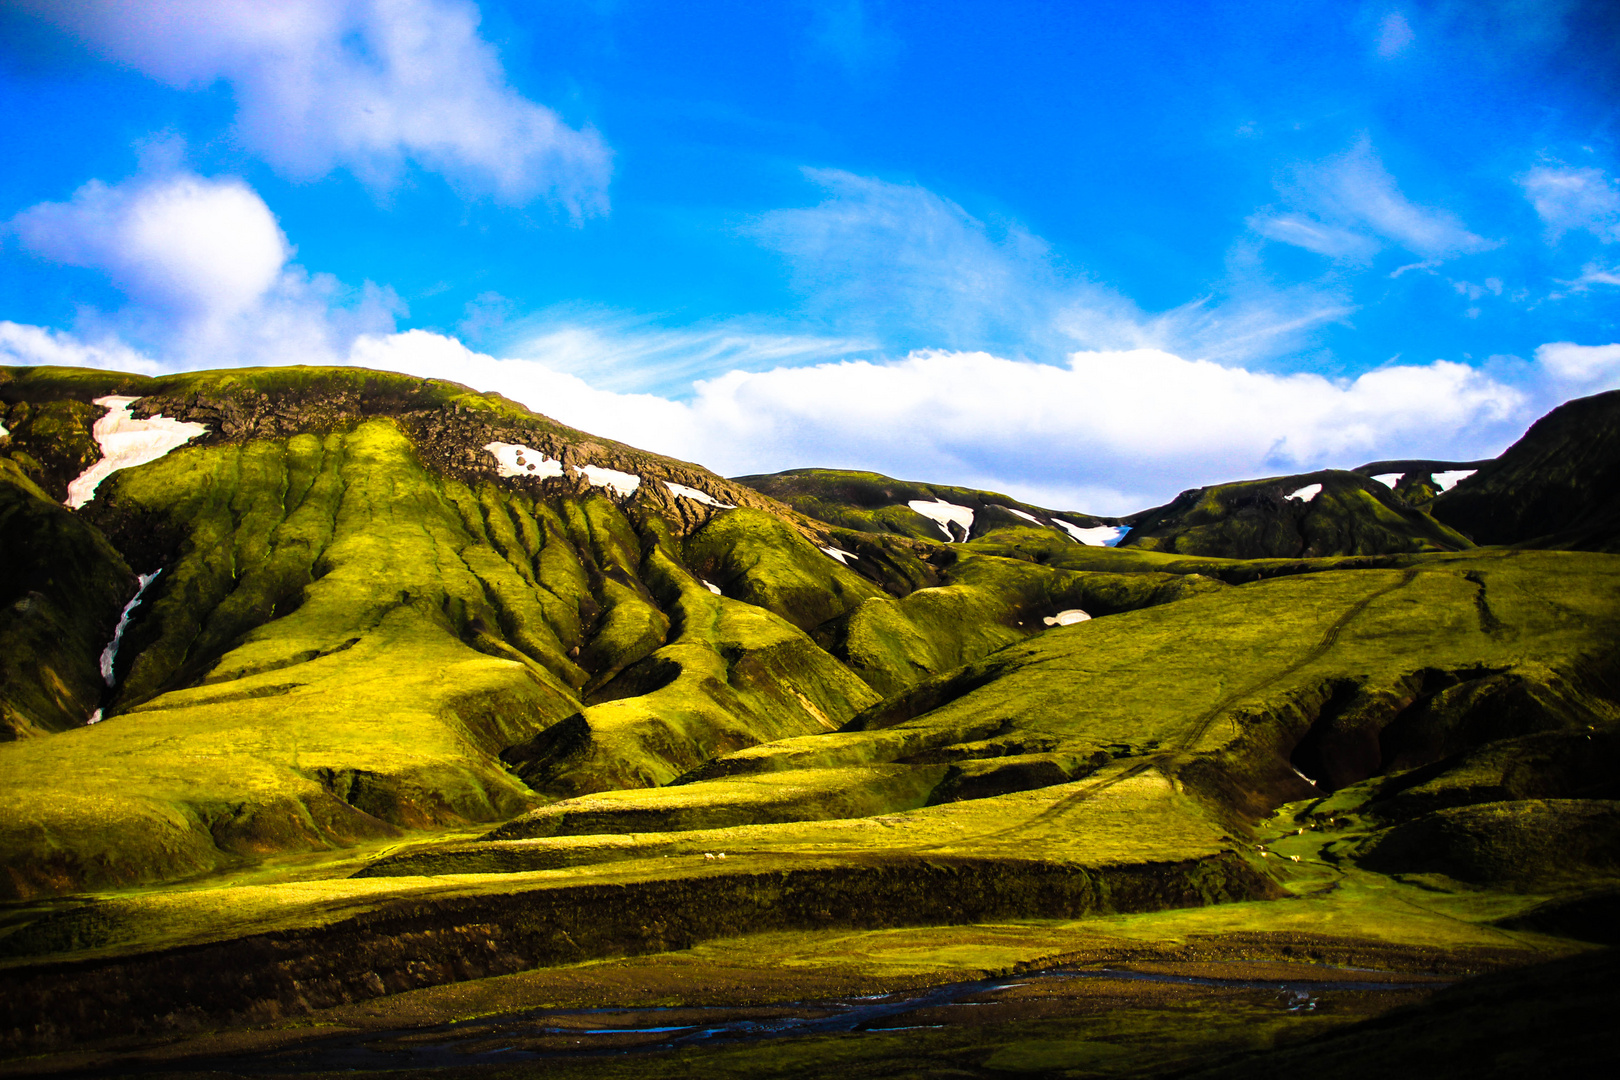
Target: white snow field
[
  {"x": 127, "y": 442},
  {"x": 1308, "y": 493},
  {"x": 840, "y": 554},
  {"x": 515, "y": 459},
  {"x": 623, "y": 483},
  {"x": 1096, "y": 535},
  {"x": 1022, "y": 514},
  {"x": 1066, "y": 618},
  {"x": 681, "y": 491},
  {"x": 1445, "y": 481},
  {"x": 945, "y": 515},
  {"x": 712, "y": 587},
  {"x": 1389, "y": 479}
]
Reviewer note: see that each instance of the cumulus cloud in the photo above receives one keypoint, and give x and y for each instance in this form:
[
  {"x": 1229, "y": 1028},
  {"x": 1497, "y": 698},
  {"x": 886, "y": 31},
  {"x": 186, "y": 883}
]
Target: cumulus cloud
[
  {"x": 1581, "y": 368},
  {"x": 1108, "y": 432},
  {"x": 364, "y": 85},
  {"x": 182, "y": 244},
  {"x": 1572, "y": 200},
  {"x": 205, "y": 266},
  {"x": 1349, "y": 208}
]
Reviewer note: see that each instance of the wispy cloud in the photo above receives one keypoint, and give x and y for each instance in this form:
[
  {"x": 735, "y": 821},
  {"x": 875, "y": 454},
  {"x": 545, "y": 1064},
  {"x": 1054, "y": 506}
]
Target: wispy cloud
[
  {"x": 367, "y": 85},
  {"x": 1574, "y": 199},
  {"x": 1394, "y": 35},
  {"x": 624, "y": 353},
  {"x": 886, "y": 261},
  {"x": 1349, "y": 208}
]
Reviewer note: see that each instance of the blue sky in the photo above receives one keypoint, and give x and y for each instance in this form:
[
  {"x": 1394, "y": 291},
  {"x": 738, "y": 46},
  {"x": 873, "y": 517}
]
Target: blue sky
[{"x": 1086, "y": 253}]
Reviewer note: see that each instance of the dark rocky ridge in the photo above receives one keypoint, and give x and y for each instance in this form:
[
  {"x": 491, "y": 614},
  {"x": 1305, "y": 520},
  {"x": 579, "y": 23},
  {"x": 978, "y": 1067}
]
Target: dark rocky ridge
[{"x": 1558, "y": 486}]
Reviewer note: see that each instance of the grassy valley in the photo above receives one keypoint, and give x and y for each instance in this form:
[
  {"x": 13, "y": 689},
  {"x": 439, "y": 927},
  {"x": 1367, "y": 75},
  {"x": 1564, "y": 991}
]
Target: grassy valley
[{"x": 409, "y": 734}]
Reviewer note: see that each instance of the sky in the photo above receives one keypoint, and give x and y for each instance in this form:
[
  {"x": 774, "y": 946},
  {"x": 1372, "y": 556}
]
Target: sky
[{"x": 1088, "y": 254}]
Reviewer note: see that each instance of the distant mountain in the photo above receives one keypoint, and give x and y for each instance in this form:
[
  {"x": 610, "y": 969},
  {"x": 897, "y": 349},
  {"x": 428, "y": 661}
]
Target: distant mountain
[
  {"x": 874, "y": 503},
  {"x": 1305, "y": 516},
  {"x": 1558, "y": 486}
]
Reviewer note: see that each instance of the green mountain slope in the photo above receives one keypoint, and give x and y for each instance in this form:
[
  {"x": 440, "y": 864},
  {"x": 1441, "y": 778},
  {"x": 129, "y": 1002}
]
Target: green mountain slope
[
  {"x": 1305, "y": 516},
  {"x": 1558, "y": 486}
]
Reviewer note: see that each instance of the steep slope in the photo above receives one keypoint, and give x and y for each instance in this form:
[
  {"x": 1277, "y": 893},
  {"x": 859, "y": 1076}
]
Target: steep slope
[
  {"x": 1558, "y": 486},
  {"x": 874, "y": 503},
  {"x": 1304, "y": 516},
  {"x": 62, "y": 586}
]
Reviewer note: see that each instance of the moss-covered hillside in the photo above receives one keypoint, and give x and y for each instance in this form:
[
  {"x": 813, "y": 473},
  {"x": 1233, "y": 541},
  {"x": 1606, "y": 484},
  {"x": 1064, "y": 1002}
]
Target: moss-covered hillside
[
  {"x": 410, "y": 730},
  {"x": 1305, "y": 516}
]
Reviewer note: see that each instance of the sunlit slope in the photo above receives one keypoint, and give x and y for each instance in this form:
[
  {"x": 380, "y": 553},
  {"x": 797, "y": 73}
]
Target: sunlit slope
[
  {"x": 1207, "y": 709},
  {"x": 1305, "y": 516}
]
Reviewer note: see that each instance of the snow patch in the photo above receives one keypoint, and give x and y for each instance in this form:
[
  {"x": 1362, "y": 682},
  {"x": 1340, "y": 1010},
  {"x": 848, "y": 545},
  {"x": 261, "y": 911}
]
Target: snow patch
[
  {"x": 840, "y": 554},
  {"x": 110, "y": 653},
  {"x": 93, "y": 718},
  {"x": 4, "y": 431},
  {"x": 1097, "y": 535},
  {"x": 1445, "y": 481},
  {"x": 681, "y": 491},
  {"x": 127, "y": 442},
  {"x": 515, "y": 459},
  {"x": 712, "y": 587},
  {"x": 1303, "y": 777},
  {"x": 1067, "y": 618},
  {"x": 1308, "y": 493},
  {"x": 622, "y": 483},
  {"x": 1389, "y": 479},
  {"x": 1020, "y": 513},
  {"x": 945, "y": 515}
]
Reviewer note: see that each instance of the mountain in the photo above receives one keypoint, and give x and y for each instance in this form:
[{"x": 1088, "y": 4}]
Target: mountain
[
  {"x": 874, "y": 503},
  {"x": 1304, "y": 516},
  {"x": 1558, "y": 486},
  {"x": 409, "y": 688}
]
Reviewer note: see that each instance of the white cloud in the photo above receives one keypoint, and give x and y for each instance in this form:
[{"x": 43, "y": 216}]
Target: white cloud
[
  {"x": 1350, "y": 208},
  {"x": 1583, "y": 368},
  {"x": 181, "y": 244},
  {"x": 205, "y": 266},
  {"x": 1109, "y": 432},
  {"x": 1572, "y": 200},
  {"x": 365, "y": 85}
]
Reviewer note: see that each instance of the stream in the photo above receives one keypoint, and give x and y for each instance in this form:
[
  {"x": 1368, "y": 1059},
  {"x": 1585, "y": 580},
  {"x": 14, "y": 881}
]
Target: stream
[{"x": 553, "y": 1033}]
